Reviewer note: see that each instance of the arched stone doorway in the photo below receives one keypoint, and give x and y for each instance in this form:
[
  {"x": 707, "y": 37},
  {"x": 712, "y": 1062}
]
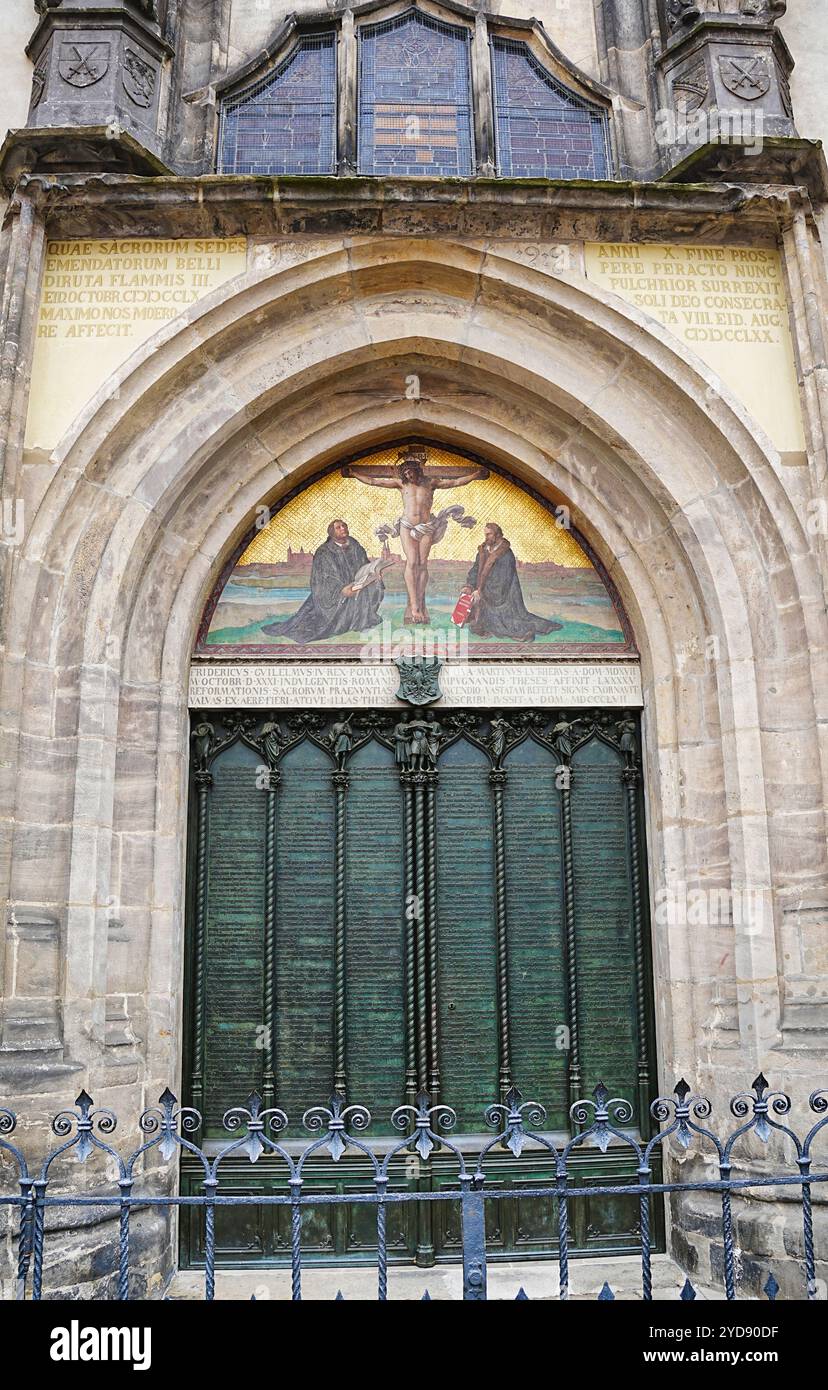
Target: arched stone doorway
[{"x": 278, "y": 376}]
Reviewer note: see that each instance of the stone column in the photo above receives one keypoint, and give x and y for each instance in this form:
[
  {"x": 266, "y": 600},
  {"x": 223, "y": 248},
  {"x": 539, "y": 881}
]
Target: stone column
[
  {"x": 809, "y": 296},
  {"x": 347, "y": 117},
  {"x": 625, "y": 38},
  {"x": 484, "y": 136},
  {"x": 23, "y": 238},
  {"x": 31, "y": 1028},
  {"x": 31, "y": 1017}
]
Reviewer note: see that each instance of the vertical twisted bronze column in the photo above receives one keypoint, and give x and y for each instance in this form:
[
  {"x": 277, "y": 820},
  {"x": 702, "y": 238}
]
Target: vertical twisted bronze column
[
  {"x": 630, "y": 777},
  {"x": 419, "y": 779},
  {"x": 570, "y": 958},
  {"x": 340, "y": 783},
  {"x": 410, "y": 908},
  {"x": 203, "y": 783},
  {"x": 425, "y": 1232},
  {"x": 269, "y": 1002},
  {"x": 431, "y": 932},
  {"x": 497, "y": 780}
]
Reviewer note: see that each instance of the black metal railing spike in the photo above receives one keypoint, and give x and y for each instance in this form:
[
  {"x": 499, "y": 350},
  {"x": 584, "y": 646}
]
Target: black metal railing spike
[{"x": 255, "y": 1131}]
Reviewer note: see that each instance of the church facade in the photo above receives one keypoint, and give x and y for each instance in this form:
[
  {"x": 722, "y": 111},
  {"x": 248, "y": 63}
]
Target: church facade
[{"x": 415, "y": 551}]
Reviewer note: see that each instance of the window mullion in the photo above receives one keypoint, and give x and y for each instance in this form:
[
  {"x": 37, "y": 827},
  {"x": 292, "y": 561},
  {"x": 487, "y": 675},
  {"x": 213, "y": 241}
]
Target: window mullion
[
  {"x": 347, "y": 96},
  {"x": 482, "y": 99}
]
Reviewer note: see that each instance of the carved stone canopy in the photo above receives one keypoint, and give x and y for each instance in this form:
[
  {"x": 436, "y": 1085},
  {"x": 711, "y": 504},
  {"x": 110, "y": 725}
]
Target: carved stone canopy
[
  {"x": 97, "y": 66},
  {"x": 727, "y": 65},
  {"x": 680, "y": 13},
  {"x": 148, "y": 8}
]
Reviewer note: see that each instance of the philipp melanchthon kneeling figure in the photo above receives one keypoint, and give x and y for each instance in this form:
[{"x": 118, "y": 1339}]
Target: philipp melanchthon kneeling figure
[
  {"x": 341, "y": 598},
  {"x": 498, "y": 609}
]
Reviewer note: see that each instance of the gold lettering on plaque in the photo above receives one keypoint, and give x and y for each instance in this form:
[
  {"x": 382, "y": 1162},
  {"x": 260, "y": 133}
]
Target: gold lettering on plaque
[
  {"x": 727, "y": 304},
  {"x": 99, "y": 301}
]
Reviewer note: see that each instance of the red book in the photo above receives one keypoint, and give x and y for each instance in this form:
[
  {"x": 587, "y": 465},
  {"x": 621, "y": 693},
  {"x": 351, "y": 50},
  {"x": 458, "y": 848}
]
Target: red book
[{"x": 460, "y": 616}]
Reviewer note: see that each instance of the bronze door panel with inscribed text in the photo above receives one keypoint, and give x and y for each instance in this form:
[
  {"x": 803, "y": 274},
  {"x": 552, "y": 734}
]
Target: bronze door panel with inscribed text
[{"x": 381, "y": 904}]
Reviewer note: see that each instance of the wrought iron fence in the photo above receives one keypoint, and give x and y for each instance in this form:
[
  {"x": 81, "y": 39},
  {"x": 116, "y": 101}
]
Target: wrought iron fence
[{"x": 338, "y": 1127}]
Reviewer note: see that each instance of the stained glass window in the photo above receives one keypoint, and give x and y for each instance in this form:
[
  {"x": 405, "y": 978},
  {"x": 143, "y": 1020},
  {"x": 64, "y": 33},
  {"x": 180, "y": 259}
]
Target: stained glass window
[
  {"x": 285, "y": 123},
  {"x": 543, "y": 129},
  {"x": 414, "y": 102}
]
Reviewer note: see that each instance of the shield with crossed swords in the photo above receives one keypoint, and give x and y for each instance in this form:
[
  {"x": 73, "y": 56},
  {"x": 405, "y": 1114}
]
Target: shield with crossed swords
[
  {"x": 747, "y": 77},
  {"x": 82, "y": 64}
]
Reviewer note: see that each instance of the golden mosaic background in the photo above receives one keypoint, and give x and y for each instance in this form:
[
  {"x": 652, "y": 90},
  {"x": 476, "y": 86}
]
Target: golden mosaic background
[{"x": 303, "y": 522}]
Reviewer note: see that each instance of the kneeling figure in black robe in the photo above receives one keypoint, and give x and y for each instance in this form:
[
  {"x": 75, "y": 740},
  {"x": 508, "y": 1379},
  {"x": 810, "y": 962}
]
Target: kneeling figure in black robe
[
  {"x": 332, "y": 607},
  {"x": 499, "y": 609}
]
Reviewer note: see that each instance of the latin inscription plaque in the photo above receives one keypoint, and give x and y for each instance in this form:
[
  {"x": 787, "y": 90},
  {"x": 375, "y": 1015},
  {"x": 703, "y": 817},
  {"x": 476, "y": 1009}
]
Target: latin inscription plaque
[
  {"x": 374, "y": 933},
  {"x": 304, "y": 931},
  {"x": 233, "y": 958},
  {"x": 729, "y": 306},
  {"x": 466, "y": 951},
  {"x": 99, "y": 301},
  {"x": 603, "y": 914},
  {"x": 534, "y": 900},
  {"x": 478, "y": 685}
]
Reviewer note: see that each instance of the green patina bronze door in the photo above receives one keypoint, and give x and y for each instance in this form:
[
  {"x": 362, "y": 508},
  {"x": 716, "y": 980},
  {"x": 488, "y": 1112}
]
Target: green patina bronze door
[{"x": 379, "y": 905}]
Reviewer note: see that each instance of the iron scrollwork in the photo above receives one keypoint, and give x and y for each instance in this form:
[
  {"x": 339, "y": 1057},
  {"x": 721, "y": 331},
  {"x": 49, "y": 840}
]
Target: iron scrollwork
[{"x": 255, "y": 1132}]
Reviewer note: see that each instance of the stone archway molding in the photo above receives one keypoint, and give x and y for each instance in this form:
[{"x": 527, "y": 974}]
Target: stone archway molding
[{"x": 285, "y": 370}]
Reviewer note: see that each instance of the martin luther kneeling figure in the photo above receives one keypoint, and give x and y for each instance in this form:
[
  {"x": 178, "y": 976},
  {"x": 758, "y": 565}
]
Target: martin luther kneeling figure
[
  {"x": 498, "y": 609},
  {"x": 346, "y": 590}
]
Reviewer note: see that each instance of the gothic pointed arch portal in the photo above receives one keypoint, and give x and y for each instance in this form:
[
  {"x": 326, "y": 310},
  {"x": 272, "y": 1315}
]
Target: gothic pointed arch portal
[{"x": 397, "y": 888}]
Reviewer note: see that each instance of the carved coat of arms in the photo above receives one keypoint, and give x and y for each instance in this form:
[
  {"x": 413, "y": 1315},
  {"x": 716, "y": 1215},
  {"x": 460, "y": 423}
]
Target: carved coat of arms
[
  {"x": 419, "y": 680},
  {"x": 747, "y": 77},
  {"x": 138, "y": 78},
  {"x": 38, "y": 83},
  {"x": 690, "y": 89},
  {"x": 83, "y": 64}
]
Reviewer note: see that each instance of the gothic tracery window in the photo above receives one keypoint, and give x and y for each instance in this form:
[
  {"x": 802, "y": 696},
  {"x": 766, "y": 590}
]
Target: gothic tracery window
[
  {"x": 415, "y": 98},
  {"x": 542, "y": 129},
  {"x": 285, "y": 123},
  {"x": 413, "y": 108}
]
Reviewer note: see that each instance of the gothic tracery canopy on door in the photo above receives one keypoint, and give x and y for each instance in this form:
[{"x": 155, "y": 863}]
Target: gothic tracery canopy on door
[{"x": 409, "y": 541}]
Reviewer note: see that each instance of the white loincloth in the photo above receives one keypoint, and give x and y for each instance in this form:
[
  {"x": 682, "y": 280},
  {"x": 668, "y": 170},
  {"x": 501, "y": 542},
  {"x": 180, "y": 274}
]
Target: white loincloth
[{"x": 436, "y": 526}]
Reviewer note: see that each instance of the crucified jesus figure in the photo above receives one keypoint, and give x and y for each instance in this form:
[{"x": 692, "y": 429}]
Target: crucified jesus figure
[{"x": 418, "y": 528}]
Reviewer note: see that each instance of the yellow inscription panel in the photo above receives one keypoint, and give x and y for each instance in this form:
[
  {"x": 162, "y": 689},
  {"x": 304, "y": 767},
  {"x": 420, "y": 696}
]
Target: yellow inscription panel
[
  {"x": 728, "y": 304},
  {"x": 99, "y": 301}
]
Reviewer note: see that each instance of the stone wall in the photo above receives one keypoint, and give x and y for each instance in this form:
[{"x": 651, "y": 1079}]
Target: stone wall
[{"x": 620, "y": 43}]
